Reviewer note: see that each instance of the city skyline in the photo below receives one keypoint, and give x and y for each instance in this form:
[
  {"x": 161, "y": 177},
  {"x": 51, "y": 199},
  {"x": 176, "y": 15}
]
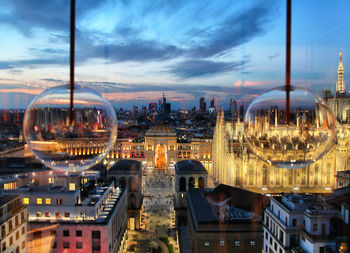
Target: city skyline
[{"x": 133, "y": 52}]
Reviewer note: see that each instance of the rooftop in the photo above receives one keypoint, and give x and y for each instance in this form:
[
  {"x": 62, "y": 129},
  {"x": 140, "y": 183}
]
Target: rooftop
[
  {"x": 225, "y": 203},
  {"x": 126, "y": 166},
  {"x": 190, "y": 166},
  {"x": 7, "y": 198},
  {"x": 161, "y": 129}
]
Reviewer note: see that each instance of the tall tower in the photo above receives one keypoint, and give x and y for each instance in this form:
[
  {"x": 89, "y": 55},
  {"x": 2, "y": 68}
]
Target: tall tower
[{"x": 340, "y": 88}]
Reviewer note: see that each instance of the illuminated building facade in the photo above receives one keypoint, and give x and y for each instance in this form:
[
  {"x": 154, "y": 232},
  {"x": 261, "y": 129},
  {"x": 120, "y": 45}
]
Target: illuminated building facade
[
  {"x": 13, "y": 224},
  {"x": 61, "y": 220},
  {"x": 235, "y": 165},
  {"x": 161, "y": 149}
]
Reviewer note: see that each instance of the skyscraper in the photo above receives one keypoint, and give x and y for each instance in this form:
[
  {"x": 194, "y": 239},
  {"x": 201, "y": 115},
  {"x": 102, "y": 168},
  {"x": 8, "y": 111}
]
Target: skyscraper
[
  {"x": 202, "y": 105},
  {"x": 233, "y": 107}
]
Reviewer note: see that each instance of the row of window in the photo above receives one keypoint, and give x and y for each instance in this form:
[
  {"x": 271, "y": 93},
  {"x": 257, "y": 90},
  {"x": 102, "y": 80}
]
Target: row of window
[
  {"x": 78, "y": 233},
  {"x": 48, "y": 214},
  {"x": 222, "y": 243},
  {"x": 39, "y": 201},
  {"x": 274, "y": 228},
  {"x": 11, "y": 241},
  {"x": 273, "y": 243},
  {"x": 19, "y": 219}
]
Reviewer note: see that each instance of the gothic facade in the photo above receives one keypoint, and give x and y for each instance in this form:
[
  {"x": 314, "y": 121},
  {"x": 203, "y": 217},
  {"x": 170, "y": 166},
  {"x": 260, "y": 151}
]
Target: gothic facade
[{"x": 235, "y": 165}]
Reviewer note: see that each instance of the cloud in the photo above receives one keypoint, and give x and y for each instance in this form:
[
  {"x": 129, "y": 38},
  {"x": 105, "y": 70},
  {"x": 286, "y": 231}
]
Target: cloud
[
  {"x": 32, "y": 63},
  {"x": 137, "y": 50},
  {"x": 236, "y": 30},
  {"x": 273, "y": 56},
  {"x": 26, "y": 16},
  {"x": 15, "y": 71},
  {"x": 199, "y": 68}
]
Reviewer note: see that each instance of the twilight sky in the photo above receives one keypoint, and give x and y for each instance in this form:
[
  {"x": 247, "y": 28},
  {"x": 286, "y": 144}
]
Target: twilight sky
[{"x": 133, "y": 50}]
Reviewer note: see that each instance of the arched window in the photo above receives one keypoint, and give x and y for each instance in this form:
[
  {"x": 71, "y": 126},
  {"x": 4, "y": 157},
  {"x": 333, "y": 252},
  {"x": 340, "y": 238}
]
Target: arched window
[
  {"x": 182, "y": 184},
  {"x": 264, "y": 179},
  {"x": 191, "y": 183},
  {"x": 238, "y": 176},
  {"x": 201, "y": 182},
  {"x": 316, "y": 174},
  {"x": 329, "y": 172},
  {"x": 277, "y": 176}
]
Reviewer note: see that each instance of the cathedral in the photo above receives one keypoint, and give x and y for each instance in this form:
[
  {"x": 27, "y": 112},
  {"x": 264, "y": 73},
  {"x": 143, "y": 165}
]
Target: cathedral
[{"x": 234, "y": 164}]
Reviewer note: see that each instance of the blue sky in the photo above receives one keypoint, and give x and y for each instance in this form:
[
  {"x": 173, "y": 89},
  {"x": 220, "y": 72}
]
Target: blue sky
[{"x": 132, "y": 51}]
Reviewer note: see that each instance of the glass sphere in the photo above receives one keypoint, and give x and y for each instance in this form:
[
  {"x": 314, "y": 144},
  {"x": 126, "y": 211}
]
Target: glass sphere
[
  {"x": 292, "y": 141},
  {"x": 66, "y": 146}
]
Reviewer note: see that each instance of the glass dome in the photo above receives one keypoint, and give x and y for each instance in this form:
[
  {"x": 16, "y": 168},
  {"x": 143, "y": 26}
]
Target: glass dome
[
  {"x": 61, "y": 145},
  {"x": 289, "y": 140}
]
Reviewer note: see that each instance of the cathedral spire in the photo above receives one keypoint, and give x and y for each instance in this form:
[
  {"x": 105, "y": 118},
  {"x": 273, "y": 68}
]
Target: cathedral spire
[{"x": 340, "y": 88}]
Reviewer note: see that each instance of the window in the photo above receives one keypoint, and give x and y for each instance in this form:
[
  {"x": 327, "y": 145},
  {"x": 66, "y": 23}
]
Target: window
[
  {"x": 10, "y": 225},
  {"x": 25, "y": 201},
  {"x": 206, "y": 244},
  {"x": 3, "y": 246},
  {"x": 54, "y": 246},
  {"x": 22, "y": 217},
  {"x": 66, "y": 245},
  {"x": 275, "y": 246},
  {"x": 39, "y": 214},
  {"x": 294, "y": 222},
  {"x": 252, "y": 243},
  {"x": 59, "y": 201},
  {"x": 51, "y": 180},
  {"x": 39, "y": 201},
  {"x": 23, "y": 244},
  {"x": 17, "y": 235},
  {"x": 66, "y": 214},
  {"x": 11, "y": 240},
  {"x": 78, "y": 233},
  {"x": 17, "y": 249},
  {"x": 266, "y": 235},
  {"x": 79, "y": 245},
  {"x": 16, "y": 221},
  {"x": 222, "y": 242},
  {"x": 58, "y": 215},
  {"x": 48, "y": 201},
  {"x": 72, "y": 186},
  {"x": 95, "y": 234},
  {"x": 314, "y": 227},
  {"x": 237, "y": 243},
  {"x": 47, "y": 214},
  {"x": 65, "y": 232},
  {"x": 3, "y": 231},
  {"x": 23, "y": 230}
]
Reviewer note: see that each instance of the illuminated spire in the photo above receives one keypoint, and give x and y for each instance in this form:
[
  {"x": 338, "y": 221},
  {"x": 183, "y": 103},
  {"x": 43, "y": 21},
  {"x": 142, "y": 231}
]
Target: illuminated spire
[{"x": 340, "y": 88}]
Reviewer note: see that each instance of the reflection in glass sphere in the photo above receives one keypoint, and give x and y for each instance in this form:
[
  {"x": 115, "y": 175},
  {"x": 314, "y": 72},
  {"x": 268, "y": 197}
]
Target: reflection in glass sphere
[
  {"x": 307, "y": 136},
  {"x": 64, "y": 146}
]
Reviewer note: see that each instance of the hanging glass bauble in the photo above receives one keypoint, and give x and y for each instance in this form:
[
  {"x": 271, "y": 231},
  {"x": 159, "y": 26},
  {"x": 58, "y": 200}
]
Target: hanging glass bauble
[
  {"x": 64, "y": 145},
  {"x": 289, "y": 140}
]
